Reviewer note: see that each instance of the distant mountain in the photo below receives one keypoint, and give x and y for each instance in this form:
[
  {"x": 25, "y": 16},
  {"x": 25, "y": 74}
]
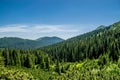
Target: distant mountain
[
  {"x": 45, "y": 41},
  {"x": 14, "y": 42},
  {"x": 56, "y": 39}
]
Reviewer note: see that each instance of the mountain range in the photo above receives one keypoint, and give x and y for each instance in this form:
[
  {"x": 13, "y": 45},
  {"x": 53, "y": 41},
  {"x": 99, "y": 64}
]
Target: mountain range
[{"x": 15, "y": 42}]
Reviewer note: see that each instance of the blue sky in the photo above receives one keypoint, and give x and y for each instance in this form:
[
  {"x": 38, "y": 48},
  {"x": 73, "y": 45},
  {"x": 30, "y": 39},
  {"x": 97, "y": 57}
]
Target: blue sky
[{"x": 63, "y": 18}]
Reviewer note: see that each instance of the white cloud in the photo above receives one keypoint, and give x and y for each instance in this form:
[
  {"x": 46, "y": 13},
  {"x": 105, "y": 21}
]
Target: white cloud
[
  {"x": 36, "y": 31},
  {"x": 12, "y": 29},
  {"x": 36, "y": 28},
  {"x": 52, "y": 28}
]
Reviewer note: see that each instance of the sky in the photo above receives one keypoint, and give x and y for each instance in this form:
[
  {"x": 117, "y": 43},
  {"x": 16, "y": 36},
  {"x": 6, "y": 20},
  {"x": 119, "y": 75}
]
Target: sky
[{"x": 32, "y": 19}]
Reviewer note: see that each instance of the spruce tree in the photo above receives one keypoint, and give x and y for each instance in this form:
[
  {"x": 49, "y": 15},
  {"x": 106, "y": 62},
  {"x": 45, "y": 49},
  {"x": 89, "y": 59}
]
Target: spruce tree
[
  {"x": 57, "y": 69},
  {"x": 48, "y": 63}
]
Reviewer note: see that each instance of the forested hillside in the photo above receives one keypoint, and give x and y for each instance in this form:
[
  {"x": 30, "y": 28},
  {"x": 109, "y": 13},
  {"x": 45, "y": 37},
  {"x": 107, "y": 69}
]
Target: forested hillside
[
  {"x": 91, "y": 56},
  {"x": 89, "y": 45}
]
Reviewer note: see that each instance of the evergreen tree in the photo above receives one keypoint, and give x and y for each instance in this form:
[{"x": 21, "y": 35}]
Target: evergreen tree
[
  {"x": 28, "y": 62},
  {"x": 48, "y": 63},
  {"x": 42, "y": 64},
  {"x": 57, "y": 69},
  {"x": 16, "y": 57},
  {"x": 6, "y": 55},
  {"x": 1, "y": 61}
]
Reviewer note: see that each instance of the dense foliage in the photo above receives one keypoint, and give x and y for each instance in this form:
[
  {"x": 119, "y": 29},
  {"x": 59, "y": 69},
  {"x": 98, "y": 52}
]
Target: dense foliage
[{"x": 25, "y": 58}]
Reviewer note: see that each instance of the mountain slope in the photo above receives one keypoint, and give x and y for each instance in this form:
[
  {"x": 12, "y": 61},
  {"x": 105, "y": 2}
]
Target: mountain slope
[
  {"x": 89, "y": 45},
  {"x": 14, "y": 42}
]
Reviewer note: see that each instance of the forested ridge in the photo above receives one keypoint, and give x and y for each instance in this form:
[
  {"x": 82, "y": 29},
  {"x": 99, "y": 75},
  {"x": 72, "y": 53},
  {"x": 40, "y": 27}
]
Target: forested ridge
[
  {"x": 92, "y": 56},
  {"x": 89, "y": 45}
]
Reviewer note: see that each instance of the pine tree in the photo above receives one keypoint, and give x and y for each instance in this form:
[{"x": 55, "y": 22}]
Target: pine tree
[
  {"x": 48, "y": 63},
  {"x": 28, "y": 62},
  {"x": 16, "y": 56},
  {"x": 42, "y": 64},
  {"x": 6, "y": 55},
  {"x": 1, "y": 61},
  {"x": 58, "y": 70}
]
